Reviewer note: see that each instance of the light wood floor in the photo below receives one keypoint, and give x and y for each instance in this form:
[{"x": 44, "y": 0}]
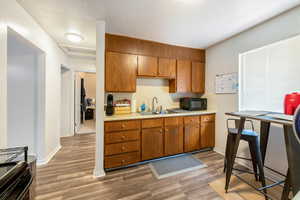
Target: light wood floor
[{"x": 69, "y": 176}]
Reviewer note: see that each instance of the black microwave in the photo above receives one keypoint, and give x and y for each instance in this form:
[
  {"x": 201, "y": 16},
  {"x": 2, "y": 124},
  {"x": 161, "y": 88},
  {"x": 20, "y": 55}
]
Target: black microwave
[{"x": 188, "y": 103}]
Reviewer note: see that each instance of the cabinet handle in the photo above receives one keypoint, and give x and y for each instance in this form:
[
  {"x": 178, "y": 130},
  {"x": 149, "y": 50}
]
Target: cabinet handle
[
  {"x": 123, "y": 148},
  {"x": 123, "y": 137},
  {"x": 167, "y": 129},
  {"x": 123, "y": 161},
  {"x": 123, "y": 125},
  {"x": 161, "y": 130}
]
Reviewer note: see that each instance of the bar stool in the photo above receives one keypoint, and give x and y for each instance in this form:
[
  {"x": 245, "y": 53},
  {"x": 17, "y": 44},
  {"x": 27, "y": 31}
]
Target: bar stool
[{"x": 252, "y": 138}]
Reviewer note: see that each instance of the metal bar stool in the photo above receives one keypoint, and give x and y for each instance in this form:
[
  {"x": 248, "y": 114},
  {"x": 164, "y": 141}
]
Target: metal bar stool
[{"x": 252, "y": 138}]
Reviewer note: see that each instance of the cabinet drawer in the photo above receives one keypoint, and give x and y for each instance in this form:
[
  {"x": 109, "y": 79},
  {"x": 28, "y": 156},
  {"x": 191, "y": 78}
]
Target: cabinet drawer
[
  {"x": 207, "y": 118},
  {"x": 192, "y": 120},
  {"x": 122, "y": 136},
  {"x": 125, "y": 147},
  {"x": 121, "y": 125},
  {"x": 152, "y": 123},
  {"x": 173, "y": 121},
  {"x": 122, "y": 159}
]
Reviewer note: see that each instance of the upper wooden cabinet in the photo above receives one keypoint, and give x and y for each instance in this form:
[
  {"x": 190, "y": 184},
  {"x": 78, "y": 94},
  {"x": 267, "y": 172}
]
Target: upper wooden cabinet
[
  {"x": 123, "y": 44},
  {"x": 167, "y": 68},
  {"x": 147, "y": 66},
  {"x": 120, "y": 72},
  {"x": 184, "y": 72},
  {"x": 198, "y": 77},
  {"x": 184, "y": 67}
]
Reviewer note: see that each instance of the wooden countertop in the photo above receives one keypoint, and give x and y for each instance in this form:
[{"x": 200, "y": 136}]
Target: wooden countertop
[{"x": 140, "y": 116}]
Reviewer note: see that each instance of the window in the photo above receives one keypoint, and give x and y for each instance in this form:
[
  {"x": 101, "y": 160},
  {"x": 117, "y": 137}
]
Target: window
[{"x": 269, "y": 73}]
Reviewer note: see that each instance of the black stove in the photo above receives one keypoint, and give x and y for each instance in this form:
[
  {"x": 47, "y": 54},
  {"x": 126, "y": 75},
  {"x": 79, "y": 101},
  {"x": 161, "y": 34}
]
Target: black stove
[{"x": 15, "y": 175}]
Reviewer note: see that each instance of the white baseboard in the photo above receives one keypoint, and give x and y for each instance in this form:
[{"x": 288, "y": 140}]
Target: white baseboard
[
  {"x": 99, "y": 173},
  {"x": 48, "y": 158}
]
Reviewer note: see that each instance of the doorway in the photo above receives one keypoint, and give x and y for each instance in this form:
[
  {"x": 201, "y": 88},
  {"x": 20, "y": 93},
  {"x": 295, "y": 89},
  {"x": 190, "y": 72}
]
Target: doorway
[
  {"x": 67, "y": 102},
  {"x": 85, "y": 102},
  {"x": 25, "y": 94}
]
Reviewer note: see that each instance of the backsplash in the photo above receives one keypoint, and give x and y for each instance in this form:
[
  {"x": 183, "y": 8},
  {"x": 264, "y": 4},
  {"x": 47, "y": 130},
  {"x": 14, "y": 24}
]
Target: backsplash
[{"x": 148, "y": 88}]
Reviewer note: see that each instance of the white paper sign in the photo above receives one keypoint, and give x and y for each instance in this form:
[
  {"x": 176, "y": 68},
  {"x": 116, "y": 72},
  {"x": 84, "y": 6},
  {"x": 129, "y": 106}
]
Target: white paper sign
[{"x": 227, "y": 83}]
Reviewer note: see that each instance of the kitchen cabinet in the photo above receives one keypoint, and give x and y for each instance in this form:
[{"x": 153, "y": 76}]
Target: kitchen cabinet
[
  {"x": 173, "y": 137},
  {"x": 184, "y": 67},
  {"x": 152, "y": 138},
  {"x": 198, "y": 77},
  {"x": 191, "y": 133},
  {"x": 167, "y": 68},
  {"x": 120, "y": 72},
  {"x": 131, "y": 141},
  {"x": 152, "y": 143},
  {"x": 147, "y": 66},
  {"x": 152, "y": 123},
  {"x": 121, "y": 159},
  {"x": 129, "y": 45},
  {"x": 184, "y": 72},
  {"x": 119, "y": 148},
  {"x": 121, "y": 143},
  {"x": 207, "y": 138}
]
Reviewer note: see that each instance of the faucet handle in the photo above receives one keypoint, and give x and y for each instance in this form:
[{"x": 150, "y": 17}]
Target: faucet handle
[{"x": 160, "y": 108}]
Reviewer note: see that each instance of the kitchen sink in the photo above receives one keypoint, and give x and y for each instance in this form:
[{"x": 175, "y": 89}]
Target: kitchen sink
[
  {"x": 147, "y": 113},
  {"x": 162, "y": 113}
]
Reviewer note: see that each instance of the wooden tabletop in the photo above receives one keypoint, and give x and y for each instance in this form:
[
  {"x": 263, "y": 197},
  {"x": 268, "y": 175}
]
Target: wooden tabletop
[{"x": 261, "y": 116}]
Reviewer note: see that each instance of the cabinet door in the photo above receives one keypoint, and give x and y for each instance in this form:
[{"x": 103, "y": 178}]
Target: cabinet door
[
  {"x": 173, "y": 140},
  {"x": 167, "y": 68},
  {"x": 198, "y": 77},
  {"x": 147, "y": 66},
  {"x": 207, "y": 134},
  {"x": 152, "y": 143},
  {"x": 191, "y": 137},
  {"x": 184, "y": 73},
  {"x": 120, "y": 72}
]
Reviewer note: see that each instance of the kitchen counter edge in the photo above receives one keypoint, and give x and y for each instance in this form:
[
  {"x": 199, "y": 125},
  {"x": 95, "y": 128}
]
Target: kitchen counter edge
[{"x": 139, "y": 116}]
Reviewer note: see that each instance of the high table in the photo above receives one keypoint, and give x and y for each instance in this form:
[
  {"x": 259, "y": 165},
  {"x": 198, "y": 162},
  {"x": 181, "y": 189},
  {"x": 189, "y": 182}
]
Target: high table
[{"x": 292, "y": 145}]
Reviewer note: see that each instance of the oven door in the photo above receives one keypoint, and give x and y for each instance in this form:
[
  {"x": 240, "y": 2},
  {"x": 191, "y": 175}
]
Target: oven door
[{"x": 15, "y": 183}]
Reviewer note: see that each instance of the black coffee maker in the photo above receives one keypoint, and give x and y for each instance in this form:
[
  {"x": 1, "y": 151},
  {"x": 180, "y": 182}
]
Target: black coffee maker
[{"x": 110, "y": 105}]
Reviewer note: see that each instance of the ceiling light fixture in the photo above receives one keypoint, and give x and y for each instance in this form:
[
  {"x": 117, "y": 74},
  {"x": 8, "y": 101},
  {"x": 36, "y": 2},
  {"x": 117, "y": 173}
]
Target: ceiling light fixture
[{"x": 74, "y": 37}]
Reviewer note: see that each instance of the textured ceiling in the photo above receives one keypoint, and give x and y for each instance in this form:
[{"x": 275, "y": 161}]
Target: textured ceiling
[{"x": 192, "y": 23}]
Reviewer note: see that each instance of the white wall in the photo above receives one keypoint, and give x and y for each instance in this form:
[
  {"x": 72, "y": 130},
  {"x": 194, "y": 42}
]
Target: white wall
[
  {"x": 67, "y": 103},
  {"x": 82, "y": 64},
  {"x": 147, "y": 88},
  {"x": 100, "y": 60},
  {"x": 3, "y": 83},
  {"x": 14, "y": 16},
  {"x": 224, "y": 58},
  {"x": 22, "y": 98}
]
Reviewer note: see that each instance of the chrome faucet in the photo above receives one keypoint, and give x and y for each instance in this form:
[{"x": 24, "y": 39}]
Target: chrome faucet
[{"x": 154, "y": 110}]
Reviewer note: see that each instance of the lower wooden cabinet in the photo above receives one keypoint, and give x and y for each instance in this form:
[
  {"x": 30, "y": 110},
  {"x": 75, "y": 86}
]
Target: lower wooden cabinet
[
  {"x": 119, "y": 148},
  {"x": 207, "y": 131},
  {"x": 152, "y": 143},
  {"x": 173, "y": 143},
  {"x": 191, "y": 137},
  {"x": 131, "y": 141},
  {"x": 173, "y": 140},
  {"x": 122, "y": 159}
]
